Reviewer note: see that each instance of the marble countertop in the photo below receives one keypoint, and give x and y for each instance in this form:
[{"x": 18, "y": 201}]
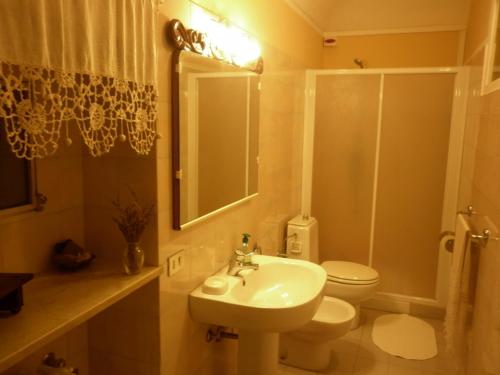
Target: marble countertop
[{"x": 55, "y": 303}]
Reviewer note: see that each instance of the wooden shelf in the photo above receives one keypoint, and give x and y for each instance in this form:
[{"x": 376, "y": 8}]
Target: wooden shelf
[{"x": 55, "y": 303}]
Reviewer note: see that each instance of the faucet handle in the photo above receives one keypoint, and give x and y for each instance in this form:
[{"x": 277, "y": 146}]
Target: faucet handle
[
  {"x": 238, "y": 256},
  {"x": 239, "y": 252}
]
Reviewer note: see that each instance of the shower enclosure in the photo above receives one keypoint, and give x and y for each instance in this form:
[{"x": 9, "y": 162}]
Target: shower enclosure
[{"x": 382, "y": 156}]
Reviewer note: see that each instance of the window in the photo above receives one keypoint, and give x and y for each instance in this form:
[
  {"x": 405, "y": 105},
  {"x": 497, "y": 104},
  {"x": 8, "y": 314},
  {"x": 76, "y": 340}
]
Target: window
[{"x": 15, "y": 177}]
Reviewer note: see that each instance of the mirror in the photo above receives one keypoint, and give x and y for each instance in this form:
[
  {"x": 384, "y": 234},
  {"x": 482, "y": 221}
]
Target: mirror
[
  {"x": 491, "y": 71},
  {"x": 215, "y": 136}
]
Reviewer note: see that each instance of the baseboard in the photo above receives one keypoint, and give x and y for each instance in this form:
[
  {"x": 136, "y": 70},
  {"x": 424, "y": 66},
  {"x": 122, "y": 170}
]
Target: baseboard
[{"x": 397, "y": 303}]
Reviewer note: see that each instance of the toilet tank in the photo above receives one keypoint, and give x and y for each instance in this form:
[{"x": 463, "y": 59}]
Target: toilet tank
[{"x": 302, "y": 238}]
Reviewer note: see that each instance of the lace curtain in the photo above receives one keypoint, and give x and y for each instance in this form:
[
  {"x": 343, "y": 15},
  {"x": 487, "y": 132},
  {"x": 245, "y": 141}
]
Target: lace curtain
[{"x": 85, "y": 63}]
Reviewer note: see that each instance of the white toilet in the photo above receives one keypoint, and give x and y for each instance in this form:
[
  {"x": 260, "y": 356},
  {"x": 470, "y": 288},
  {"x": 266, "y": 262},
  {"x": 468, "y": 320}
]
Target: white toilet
[
  {"x": 351, "y": 282},
  {"x": 347, "y": 285}
]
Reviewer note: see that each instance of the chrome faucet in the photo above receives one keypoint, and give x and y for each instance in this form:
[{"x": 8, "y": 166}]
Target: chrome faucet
[
  {"x": 241, "y": 260},
  {"x": 237, "y": 271}
]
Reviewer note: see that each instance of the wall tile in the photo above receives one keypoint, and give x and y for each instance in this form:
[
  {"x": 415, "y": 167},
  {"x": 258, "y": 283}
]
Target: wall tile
[
  {"x": 208, "y": 245},
  {"x": 484, "y": 345},
  {"x": 72, "y": 347}
]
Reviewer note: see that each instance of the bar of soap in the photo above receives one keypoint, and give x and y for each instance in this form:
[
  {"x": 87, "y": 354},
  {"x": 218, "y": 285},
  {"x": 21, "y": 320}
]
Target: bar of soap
[{"x": 215, "y": 285}]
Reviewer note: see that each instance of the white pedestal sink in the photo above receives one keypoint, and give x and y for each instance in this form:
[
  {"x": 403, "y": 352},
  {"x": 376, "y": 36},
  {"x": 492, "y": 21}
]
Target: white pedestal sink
[{"x": 282, "y": 295}]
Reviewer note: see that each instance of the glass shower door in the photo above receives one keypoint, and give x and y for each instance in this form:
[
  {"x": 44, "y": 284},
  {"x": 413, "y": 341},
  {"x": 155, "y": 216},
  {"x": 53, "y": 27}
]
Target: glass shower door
[
  {"x": 379, "y": 172},
  {"x": 415, "y": 130},
  {"x": 346, "y": 116}
]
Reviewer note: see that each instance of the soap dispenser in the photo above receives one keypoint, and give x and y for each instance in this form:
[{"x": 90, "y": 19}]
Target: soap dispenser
[{"x": 243, "y": 252}]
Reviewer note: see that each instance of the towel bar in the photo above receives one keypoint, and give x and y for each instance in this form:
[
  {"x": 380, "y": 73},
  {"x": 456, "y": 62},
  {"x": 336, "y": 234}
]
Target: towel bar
[{"x": 480, "y": 239}]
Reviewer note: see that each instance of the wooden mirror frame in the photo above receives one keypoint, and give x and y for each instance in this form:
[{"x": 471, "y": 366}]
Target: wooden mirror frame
[{"x": 192, "y": 41}]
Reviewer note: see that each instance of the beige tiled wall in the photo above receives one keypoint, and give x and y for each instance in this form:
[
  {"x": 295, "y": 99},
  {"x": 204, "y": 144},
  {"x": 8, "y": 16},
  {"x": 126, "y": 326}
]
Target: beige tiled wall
[
  {"x": 481, "y": 187},
  {"x": 80, "y": 190},
  {"x": 124, "y": 339},
  {"x": 484, "y": 355},
  {"x": 208, "y": 245},
  {"x": 72, "y": 347},
  {"x": 107, "y": 177},
  {"x": 27, "y": 239}
]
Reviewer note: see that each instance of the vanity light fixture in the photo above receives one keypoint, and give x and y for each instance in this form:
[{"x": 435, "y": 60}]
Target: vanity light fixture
[{"x": 215, "y": 37}]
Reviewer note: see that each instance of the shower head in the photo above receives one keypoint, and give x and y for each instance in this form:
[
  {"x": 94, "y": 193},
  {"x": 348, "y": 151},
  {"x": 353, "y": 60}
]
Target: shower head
[{"x": 359, "y": 62}]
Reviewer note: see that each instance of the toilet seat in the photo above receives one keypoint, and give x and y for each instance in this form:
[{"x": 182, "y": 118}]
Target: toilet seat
[{"x": 350, "y": 273}]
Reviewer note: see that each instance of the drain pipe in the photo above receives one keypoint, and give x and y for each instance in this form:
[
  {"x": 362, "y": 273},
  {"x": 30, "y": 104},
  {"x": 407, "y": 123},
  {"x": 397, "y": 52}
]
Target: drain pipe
[{"x": 218, "y": 333}]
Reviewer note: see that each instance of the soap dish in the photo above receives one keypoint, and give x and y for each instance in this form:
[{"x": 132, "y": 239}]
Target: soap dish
[{"x": 215, "y": 285}]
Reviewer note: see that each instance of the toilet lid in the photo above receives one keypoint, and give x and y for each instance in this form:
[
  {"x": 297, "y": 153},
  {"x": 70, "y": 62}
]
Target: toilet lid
[{"x": 349, "y": 272}]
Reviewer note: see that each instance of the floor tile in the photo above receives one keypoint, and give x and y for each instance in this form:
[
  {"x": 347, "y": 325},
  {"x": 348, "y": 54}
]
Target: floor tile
[
  {"x": 402, "y": 362},
  {"x": 438, "y": 365},
  {"x": 357, "y": 354},
  {"x": 341, "y": 363},
  {"x": 367, "y": 366},
  {"x": 369, "y": 316},
  {"x": 355, "y": 333},
  {"x": 369, "y": 350},
  {"x": 346, "y": 345},
  {"x": 398, "y": 370},
  {"x": 288, "y": 370}
]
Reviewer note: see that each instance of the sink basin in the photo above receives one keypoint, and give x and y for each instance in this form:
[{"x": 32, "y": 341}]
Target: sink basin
[{"x": 282, "y": 295}]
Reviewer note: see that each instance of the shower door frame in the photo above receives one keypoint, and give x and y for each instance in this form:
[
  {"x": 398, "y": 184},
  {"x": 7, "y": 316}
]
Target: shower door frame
[{"x": 395, "y": 301}]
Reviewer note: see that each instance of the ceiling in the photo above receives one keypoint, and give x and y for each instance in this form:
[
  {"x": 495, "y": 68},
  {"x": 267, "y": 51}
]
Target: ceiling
[{"x": 371, "y": 16}]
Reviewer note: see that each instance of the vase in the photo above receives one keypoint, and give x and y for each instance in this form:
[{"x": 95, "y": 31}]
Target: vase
[{"x": 133, "y": 258}]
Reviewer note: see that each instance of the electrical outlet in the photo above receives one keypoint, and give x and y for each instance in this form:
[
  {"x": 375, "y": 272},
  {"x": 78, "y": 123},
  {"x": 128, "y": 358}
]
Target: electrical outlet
[{"x": 175, "y": 263}]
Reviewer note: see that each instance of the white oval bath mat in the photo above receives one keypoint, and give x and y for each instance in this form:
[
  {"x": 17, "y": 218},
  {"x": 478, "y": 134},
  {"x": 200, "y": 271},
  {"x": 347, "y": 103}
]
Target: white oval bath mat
[{"x": 405, "y": 336}]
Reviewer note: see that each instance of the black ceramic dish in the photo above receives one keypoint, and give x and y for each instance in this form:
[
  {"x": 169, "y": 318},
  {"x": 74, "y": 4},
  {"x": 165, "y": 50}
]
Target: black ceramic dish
[{"x": 11, "y": 291}]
